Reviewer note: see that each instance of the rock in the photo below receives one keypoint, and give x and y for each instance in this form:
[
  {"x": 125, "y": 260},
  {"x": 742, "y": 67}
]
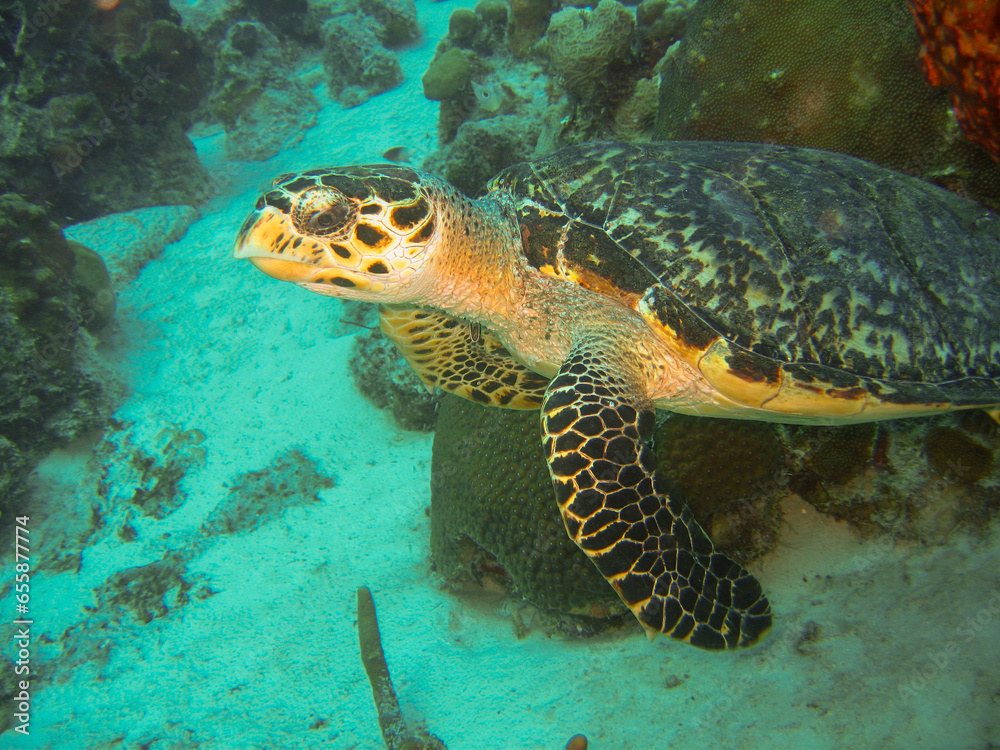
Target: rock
[
  {"x": 356, "y": 64},
  {"x": 128, "y": 241},
  {"x": 52, "y": 387},
  {"x": 95, "y": 108},
  {"x": 256, "y": 96}
]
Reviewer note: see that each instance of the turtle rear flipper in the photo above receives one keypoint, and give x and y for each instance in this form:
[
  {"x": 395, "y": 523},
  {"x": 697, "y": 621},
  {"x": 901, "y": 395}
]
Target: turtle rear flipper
[{"x": 630, "y": 520}]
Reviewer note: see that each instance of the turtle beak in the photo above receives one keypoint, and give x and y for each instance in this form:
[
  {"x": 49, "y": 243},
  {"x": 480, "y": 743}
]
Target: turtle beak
[{"x": 257, "y": 242}]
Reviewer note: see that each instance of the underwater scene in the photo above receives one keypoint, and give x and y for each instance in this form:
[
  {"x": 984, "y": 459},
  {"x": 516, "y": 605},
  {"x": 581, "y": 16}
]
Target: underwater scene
[{"x": 500, "y": 374}]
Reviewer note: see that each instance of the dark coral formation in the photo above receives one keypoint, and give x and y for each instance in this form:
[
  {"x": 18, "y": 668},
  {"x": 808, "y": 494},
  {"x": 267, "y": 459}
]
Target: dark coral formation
[
  {"x": 914, "y": 478},
  {"x": 528, "y": 21},
  {"x": 732, "y": 474},
  {"x": 493, "y": 512},
  {"x": 53, "y": 296},
  {"x": 494, "y": 519},
  {"x": 95, "y": 106},
  {"x": 956, "y": 455},
  {"x": 838, "y": 454},
  {"x": 961, "y": 51},
  {"x": 843, "y": 76}
]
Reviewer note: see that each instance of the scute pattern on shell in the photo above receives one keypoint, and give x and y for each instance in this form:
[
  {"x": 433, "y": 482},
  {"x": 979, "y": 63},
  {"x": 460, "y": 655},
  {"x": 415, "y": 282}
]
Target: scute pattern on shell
[{"x": 825, "y": 266}]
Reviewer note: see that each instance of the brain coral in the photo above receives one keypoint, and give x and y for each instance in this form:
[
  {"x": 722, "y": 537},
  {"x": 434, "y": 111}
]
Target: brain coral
[
  {"x": 584, "y": 46},
  {"x": 493, "y": 511}
]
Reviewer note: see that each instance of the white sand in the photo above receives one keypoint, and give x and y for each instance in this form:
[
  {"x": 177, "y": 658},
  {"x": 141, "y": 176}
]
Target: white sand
[{"x": 209, "y": 343}]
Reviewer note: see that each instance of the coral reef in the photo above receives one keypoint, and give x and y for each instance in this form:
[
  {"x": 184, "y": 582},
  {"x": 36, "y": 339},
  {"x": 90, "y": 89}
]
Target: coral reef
[
  {"x": 256, "y": 96},
  {"x": 482, "y": 148},
  {"x": 53, "y": 297},
  {"x": 491, "y": 107},
  {"x": 843, "y": 76},
  {"x": 357, "y": 46},
  {"x": 494, "y": 523},
  {"x": 528, "y": 21},
  {"x": 961, "y": 51},
  {"x": 955, "y": 455},
  {"x": 259, "y": 497},
  {"x": 128, "y": 241},
  {"x": 732, "y": 474},
  {"x": 493, "y": 514},
  {"x": 589, "y": 49},
  {"x": 838, "y": 454},
  {"x": 382, "y": 376},
  {"x": 919, "y": 479},
  {"x": 95, "y": 106}
]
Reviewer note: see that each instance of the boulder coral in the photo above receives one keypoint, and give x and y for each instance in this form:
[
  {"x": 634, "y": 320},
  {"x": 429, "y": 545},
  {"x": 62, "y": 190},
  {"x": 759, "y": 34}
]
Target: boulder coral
[{"x": 842, "y": 75}]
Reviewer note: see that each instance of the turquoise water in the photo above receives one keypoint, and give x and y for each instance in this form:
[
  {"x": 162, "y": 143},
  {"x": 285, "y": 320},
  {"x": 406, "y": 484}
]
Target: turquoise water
[{"x": 195, "y": 558}]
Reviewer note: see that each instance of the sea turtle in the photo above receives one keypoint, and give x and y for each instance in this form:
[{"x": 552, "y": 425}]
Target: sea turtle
[{"x": 607, "y": 280}]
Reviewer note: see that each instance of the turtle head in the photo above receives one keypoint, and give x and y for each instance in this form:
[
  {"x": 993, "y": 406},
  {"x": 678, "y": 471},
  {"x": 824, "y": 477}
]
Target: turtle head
[{"x": 354, "y": 232}]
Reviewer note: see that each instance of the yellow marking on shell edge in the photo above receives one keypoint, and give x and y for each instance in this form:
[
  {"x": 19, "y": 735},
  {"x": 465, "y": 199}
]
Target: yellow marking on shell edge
[{"x": 712, "y": 364}]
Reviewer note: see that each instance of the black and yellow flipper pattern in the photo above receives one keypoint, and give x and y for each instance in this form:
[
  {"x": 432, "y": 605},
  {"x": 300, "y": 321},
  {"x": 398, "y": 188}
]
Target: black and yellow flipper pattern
[
  {"x": 629, "y": 518},
  {"x": 463, "y": 360}
]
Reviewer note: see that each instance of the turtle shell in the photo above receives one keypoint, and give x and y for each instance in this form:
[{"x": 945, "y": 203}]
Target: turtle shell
[{"x": 798, "y": 281}]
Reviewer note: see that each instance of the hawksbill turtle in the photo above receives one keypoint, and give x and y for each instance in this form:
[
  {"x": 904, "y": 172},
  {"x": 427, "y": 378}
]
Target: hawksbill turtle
[{"x": 609, "y": 280}]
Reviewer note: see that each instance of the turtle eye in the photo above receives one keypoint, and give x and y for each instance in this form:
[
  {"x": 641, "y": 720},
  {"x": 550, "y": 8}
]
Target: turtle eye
[
  {"x": 328, "y": 219},
  {"x": 323, "y": 211}
]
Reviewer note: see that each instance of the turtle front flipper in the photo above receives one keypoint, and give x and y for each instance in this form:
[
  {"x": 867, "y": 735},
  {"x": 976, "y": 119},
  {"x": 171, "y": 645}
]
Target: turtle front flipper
[
  {"x": 461, "y": 359},
  {"x": 630, "y": 519}
]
